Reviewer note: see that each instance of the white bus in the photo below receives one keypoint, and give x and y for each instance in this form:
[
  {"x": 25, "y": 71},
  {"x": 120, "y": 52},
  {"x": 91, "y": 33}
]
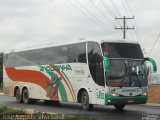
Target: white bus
[{"x": 87, "y": 72}]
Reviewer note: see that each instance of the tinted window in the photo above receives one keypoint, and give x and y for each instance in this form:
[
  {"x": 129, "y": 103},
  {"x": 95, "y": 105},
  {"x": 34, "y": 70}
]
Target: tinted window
[
  {"x": 123, "y": 50},
  {"x": 95, "y": 64},
  {"x": 77, "y": 53},
  {"x": 51, "y": 55}
]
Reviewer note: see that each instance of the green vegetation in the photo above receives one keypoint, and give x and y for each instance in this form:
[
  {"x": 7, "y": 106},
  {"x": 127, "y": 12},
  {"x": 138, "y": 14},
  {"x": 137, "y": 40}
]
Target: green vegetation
[{"x": 11, "y": 113}]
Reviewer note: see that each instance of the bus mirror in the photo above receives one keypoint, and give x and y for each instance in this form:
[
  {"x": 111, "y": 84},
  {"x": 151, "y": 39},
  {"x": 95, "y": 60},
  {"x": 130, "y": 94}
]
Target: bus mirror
[
  {"x": 106, "y": 63},
  {"x": 152, "y": 61}
]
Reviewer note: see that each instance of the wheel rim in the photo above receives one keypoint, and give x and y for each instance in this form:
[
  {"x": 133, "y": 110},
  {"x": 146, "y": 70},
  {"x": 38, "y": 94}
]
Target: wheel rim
[{"x": 84, "y": 100}]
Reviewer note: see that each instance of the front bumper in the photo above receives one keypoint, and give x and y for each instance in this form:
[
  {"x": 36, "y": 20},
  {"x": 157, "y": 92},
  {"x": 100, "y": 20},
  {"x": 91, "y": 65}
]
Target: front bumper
[{"x": 112, "y": 100}]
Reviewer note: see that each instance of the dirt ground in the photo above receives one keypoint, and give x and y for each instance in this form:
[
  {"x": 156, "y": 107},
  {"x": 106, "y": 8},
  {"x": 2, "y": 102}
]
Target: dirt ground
[{"x": 154, "y": 94}]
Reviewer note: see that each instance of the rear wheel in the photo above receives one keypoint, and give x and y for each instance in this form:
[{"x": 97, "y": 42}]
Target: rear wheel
[
  {"x": 18, "y": 95},
  {"x": 85, "y": 102},
  {"x": 26, "y": 99},
  {"x": 119, "y": 107}
]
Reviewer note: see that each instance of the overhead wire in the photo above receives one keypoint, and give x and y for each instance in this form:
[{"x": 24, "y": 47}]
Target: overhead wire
[
  {"x": 105, "y": 6},
  {"x": 88, "y": 14},
  {"x": 125, "y": 8},
  {"x": 136, "y": 27},
  {"x": 101, "y": 12},
  {"x": 116, "y": 8},
  {"x": 129, "y": 8},
  {"x": 154, "y": 44},
  {"x": 90, "y": 18}
]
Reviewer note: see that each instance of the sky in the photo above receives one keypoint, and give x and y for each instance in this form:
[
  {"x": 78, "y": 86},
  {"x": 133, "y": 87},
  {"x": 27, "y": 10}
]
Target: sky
[{"x": 29, "y": 23}]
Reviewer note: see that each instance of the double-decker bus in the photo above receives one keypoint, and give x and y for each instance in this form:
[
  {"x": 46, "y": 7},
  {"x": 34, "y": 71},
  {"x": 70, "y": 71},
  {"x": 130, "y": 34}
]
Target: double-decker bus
[{"x": 87, "y": 72}]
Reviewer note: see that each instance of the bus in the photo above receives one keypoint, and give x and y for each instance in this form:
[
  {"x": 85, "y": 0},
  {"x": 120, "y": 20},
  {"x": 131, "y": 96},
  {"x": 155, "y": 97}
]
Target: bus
[{"x": 86, "y": 72}]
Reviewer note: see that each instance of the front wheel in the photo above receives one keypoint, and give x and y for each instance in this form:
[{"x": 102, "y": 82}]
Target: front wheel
[
  {"x": 119, "y": 107},
  {"x": 85, "y": 102}
]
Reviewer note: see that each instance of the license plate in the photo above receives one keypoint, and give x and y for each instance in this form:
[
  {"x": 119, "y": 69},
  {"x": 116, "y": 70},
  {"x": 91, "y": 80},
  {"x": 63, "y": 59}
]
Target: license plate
[{"x": 130, "y": 101}]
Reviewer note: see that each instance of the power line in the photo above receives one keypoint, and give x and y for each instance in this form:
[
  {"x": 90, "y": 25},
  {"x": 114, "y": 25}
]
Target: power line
[
  {"x": 92, "y": 14},
  {"x": 125, "y": 7},
  {"x": 88, "y": 12},
  {"x": 154, "y": 44},
  {"x": 90, "y": 18},
  {"x": 129, "y": 8},
  {"x": 107, "y": 9},
  {"x": 100, "y": 11},
  {"x": 116, "y": 8}
]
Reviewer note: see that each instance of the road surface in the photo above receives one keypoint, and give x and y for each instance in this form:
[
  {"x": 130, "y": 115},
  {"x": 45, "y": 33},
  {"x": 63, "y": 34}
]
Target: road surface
[{"x": 131, "y": 112}]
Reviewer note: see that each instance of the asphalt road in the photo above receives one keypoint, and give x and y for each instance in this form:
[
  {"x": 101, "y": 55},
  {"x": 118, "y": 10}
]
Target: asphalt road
[{"x": 130, "y": 112}]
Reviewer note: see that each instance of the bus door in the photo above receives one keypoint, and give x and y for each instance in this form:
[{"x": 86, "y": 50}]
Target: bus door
[
  {"x": 97, "y": 71},
  {"x": 100, "y": 84}
]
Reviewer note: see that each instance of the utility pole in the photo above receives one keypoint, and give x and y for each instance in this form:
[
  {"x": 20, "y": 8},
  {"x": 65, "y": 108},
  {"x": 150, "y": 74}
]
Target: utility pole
[{"x": 124, "y": 28}]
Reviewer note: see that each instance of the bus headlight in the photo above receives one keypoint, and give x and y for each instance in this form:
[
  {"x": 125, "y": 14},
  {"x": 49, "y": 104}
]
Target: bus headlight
[
  {"x": 114, "y": 94},
  {"x": 144, "y": 94}
]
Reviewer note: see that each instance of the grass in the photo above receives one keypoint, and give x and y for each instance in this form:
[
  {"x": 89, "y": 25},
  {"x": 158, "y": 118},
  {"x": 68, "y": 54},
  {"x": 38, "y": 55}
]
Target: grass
[
  {"x": 9, "y": 111},
  {"x": 12, "y": 113}
]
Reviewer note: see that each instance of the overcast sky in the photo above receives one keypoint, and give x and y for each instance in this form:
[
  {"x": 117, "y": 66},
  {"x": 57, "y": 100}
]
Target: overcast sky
[{"x": 25, "y": 23}]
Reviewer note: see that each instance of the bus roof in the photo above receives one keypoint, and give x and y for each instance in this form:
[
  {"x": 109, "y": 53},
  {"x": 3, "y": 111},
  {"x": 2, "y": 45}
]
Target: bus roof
[{"x": 68, "y": 43}]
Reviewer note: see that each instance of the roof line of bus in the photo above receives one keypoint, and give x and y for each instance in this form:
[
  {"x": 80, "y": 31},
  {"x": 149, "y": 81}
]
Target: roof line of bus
[{"x": 69, "y": 43}]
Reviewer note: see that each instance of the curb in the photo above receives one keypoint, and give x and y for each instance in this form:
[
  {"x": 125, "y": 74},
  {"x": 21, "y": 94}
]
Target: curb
[{"x": 1, "y": 93}]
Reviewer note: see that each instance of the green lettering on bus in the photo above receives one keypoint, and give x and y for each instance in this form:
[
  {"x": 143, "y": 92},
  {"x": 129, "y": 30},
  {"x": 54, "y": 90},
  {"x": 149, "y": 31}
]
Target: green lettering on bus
[{"x": 56, "y": 67}]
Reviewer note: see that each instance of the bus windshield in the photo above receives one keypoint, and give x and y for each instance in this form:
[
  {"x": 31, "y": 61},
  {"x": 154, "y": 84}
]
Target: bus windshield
[{"x": 127, "y": 68}]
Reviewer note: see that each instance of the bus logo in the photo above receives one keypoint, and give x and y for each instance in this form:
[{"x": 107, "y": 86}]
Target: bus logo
[{"x": 49, "y": 68}]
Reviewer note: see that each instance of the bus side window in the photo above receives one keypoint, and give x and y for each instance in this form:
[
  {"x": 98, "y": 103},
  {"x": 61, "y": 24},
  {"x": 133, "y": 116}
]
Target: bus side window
[
  {"x": 95, "y": 65},
  {"x": 77, "y": 53}
]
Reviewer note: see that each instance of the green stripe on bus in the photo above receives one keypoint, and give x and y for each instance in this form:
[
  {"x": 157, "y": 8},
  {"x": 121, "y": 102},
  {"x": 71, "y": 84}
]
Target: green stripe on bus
[
  {"x": 67, "y": 80},
  {"x": 63, "y": 92}
]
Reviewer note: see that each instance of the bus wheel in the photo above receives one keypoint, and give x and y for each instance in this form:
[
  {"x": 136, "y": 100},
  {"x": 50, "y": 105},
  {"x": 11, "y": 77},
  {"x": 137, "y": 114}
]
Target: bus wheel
[
  {"x": 26, "y": 98},
  {"x": 18, "y": 95},
  {"x": 119, "y": 107},
  {"x": 85, "y": 102}
]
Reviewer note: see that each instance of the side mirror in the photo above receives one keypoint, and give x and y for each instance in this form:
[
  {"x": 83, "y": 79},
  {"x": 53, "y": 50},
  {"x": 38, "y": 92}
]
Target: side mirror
[
  {"x": 106, "y": 63},
  {"x": 152, "y": 61}
]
